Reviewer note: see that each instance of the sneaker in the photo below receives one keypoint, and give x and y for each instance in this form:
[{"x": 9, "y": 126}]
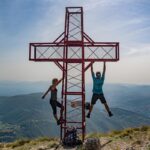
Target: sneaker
[
  {"x": 88, "y": 115},
  {"x": 110, "y": 114}
]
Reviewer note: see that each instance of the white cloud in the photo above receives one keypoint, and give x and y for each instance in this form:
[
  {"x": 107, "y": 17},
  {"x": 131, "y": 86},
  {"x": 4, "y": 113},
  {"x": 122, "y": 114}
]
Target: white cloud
[{"x": 139, "y": 50}]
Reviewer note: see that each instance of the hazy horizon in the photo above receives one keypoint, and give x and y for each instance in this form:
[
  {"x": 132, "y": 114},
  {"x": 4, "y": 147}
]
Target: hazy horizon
[{"x": 12, "y": 88}]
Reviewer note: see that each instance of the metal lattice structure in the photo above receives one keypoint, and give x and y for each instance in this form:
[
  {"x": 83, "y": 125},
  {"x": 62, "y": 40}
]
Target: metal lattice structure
[{"x": 73, "y": 52}]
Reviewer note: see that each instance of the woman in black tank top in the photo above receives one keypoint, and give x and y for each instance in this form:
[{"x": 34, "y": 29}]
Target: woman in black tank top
[{"x": 53, "y": 99}]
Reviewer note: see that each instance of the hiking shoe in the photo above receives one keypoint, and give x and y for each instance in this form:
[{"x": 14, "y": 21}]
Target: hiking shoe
[
  {"x": 88, "y": 115},
  {"x": 110, "y": 114}
]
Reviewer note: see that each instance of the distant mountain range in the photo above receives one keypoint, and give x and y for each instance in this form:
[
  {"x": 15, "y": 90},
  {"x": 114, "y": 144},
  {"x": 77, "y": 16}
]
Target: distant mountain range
[
  {"x": 123, "y": 96},
  {"x": 27, "y": 115},
  {"x": 30, "y": 116},
  {"x": 11, "y": 88}
]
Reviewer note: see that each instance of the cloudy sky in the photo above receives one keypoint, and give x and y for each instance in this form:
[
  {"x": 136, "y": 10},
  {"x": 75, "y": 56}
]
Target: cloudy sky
[{"x": 125, "y": 21}]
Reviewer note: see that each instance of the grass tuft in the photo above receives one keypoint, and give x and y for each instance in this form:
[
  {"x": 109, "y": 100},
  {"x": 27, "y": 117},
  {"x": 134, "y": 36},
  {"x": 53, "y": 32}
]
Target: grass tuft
[
  {"x": 18, "y": 143},
  {"x": 144, "y": 128},
  {"x": 1, "y": 145}
]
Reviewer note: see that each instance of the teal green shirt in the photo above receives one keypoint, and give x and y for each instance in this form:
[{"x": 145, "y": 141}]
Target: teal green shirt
[{"x": 97, "y": 84}]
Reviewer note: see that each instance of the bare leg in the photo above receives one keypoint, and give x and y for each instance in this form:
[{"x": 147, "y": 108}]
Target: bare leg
[
  {"x": 107, "y": 107},
  {"x": 108, "y": 110},
  {"x": 90, "y": 110},
  {"x": 56, "y": 118}
]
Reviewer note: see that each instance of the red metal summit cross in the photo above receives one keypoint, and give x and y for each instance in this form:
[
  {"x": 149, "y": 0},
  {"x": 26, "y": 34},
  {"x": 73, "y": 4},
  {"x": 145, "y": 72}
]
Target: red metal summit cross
[{"x": 73, "y": 52}]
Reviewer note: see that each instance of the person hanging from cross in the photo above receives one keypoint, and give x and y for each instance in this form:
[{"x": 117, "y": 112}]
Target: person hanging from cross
[
  {"x": 53, "y": 99},
  {"x": 98, "y": 82}
]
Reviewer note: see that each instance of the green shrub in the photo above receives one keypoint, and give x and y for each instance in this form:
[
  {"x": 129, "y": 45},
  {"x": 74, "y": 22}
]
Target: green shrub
[{"x": 114, "y": 133}]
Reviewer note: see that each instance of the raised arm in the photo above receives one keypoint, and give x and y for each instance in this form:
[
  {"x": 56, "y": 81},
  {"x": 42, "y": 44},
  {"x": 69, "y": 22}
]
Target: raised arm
[
  {"x": 92, "y": 72},
  {"x": 54, "y": 86},
  {"x": 92, "y": 69},
  {"x": 104, "y": 69}
]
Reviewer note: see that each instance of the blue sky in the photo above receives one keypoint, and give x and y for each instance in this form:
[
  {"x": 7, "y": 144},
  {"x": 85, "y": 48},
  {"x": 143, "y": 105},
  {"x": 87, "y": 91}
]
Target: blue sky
[{"x": 25, "y": 21}]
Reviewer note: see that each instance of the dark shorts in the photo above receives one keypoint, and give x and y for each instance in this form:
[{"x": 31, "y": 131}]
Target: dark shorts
[
  {"x": 54, "y": 105},
  {"x": 95, "y": 97}
]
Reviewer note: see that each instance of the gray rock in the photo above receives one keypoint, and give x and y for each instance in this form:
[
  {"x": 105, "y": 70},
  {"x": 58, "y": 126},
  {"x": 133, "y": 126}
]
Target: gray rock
[{"x": 92, "y": 144}]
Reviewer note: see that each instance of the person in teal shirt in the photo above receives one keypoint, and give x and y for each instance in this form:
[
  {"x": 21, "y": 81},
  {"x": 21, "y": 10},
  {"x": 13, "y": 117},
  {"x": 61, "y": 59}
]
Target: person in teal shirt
[{"x": 98, "y": 82}]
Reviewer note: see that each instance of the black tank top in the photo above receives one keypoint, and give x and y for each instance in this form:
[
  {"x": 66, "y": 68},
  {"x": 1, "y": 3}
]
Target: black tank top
[{"x": 54, "y": 95}]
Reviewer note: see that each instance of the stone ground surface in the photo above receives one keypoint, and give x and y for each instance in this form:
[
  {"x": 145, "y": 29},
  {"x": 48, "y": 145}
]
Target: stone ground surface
[
  {"x": 128, "y": 139},
  {"x": 106, "y": 144}
]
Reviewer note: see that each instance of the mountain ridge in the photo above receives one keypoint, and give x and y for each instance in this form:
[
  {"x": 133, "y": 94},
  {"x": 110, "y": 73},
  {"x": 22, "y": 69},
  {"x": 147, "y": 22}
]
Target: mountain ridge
[{"x": 30, "y": 116}]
